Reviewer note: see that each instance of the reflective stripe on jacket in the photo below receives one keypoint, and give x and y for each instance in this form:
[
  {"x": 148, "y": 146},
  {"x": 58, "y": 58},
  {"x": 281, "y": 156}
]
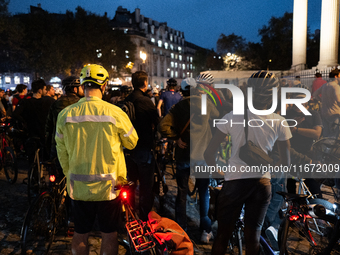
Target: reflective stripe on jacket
[{"x": 90, "y": 137}]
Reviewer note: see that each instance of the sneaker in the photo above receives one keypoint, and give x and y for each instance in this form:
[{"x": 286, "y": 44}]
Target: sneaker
[
  {"x": 272, "y": 234},
  {"x": 206, "y": 237}
]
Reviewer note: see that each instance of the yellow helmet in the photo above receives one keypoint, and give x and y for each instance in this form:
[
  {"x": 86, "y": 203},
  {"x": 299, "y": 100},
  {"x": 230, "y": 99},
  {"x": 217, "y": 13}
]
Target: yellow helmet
[{"x": 94, "y": 73}]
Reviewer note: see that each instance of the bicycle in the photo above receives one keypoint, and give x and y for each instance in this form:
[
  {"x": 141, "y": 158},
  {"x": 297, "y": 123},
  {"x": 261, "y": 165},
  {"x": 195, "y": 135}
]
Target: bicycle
[
  {"x": 300, "y": 216},
  {"x": 333, "y": 245},
  {"x": 37, "y": 174},
  {"x": 165, "y": 150},
  {"x": 141, "y": 237},
  {"x": 8, "y": 159},
  {"x": 46, "y": 215}
]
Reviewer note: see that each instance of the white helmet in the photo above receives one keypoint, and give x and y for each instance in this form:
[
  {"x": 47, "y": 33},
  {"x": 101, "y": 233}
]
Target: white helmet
[
  {"x": 205, "y": 78},
  {"x": 188, "y": 83},
  {"x": 58, "y": 91}
]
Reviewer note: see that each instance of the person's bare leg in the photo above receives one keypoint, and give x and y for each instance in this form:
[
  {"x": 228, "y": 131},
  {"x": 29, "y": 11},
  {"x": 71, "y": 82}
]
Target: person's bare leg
[
  {"x": 109, "y": 244},
  {"x": 80, "y": 244}
]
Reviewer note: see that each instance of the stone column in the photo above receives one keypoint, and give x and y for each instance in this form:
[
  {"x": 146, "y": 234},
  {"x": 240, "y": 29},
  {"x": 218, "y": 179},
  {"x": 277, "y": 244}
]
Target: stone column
[
  {"x": 299, "y": 34},
  {"x": 329, "y": 34}
]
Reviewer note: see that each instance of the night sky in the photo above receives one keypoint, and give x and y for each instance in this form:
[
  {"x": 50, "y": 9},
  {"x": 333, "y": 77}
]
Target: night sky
[{"x": 202, "y": 21}]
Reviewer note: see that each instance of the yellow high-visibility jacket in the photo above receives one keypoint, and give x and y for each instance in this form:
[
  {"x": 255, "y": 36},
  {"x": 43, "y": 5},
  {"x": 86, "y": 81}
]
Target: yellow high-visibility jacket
[{"x": 90, "y": 137}]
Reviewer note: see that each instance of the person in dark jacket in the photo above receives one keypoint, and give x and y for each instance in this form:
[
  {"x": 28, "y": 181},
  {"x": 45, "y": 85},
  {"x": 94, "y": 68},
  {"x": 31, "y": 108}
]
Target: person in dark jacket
[
  {"x": 192, "y": 132},
  {"x": 140, "y": 163},
  {"x": 74, "y": 92}
]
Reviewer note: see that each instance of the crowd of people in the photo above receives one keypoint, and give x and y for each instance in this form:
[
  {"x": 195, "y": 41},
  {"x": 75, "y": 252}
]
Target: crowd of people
[{"x": 97, "y": 143}]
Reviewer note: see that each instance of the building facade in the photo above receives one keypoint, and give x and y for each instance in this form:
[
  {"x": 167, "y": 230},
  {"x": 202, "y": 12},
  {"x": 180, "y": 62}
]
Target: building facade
[
  {"x": 11, "y": 80},
  {"x": 161, "y": 51}
]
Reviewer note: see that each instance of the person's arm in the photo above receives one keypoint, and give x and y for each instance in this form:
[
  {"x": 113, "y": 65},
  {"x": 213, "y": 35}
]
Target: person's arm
[
  {"x": 314, "y": 132},
  {"x": 159, "y": 110},
  {"x": 166, "y": 127},
  {"x": 209, "y": 154},
  {"x": 61, "y": 148},
  {"x": 127, "y": 132},
  {"x": 317, "y": 93}
]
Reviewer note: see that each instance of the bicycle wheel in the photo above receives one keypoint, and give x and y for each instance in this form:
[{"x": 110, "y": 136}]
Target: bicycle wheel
[
  {"x": 33, "y": 187},
  {"x": 10, "y": 165},
  {"x": 38, "y": 230},
  {"x": 283, "y": 235},
  {"x": 297, "y": 237},
  {"x": 235, "y": 243}
]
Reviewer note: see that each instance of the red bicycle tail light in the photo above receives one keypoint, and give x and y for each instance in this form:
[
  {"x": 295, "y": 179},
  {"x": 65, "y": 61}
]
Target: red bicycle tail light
[
  {"x": 52, "y": 178},
  {"x": 124, "y": 194},
  {"x": 294, "y": 217}
]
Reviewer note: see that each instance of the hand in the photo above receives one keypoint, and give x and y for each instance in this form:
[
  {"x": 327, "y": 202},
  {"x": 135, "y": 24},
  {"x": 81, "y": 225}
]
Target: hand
[
  {"x": 293, "y": 129},
  {"x": 299, "y": 119},
  {"x": 181, "y": 144}
]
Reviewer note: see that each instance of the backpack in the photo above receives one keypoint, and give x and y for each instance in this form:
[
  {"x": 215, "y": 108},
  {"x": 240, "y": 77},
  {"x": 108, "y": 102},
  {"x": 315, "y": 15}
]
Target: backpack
[{"x": 129, "y": 108}]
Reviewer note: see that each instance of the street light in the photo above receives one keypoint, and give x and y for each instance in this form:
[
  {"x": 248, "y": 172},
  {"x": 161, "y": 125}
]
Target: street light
[{"x": 142, "y": 55}]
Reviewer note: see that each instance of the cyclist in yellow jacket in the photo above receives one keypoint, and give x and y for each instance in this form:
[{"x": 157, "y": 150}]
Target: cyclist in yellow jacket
[{"x": 90, "y": 137}]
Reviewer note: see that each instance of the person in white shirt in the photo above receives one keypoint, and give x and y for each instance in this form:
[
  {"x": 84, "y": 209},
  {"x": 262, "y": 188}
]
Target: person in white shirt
[{"x": 252, "y": 189}]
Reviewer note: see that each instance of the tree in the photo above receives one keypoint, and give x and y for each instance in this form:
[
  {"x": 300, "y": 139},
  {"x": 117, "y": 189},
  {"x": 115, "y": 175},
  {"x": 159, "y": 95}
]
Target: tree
[
  {"x": 231, "y": 44},
  {"x": 61, "y": 44},
  {"x": 276, "y": 40}
]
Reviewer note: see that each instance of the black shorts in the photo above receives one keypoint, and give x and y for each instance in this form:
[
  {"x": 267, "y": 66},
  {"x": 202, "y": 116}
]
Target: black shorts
[{"x": 108, "y": 215}]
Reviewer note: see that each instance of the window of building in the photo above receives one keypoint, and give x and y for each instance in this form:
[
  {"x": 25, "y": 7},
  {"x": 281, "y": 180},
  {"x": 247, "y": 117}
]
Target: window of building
[
  {"x": 183, "y": 66},
  {"x": 154, "y": 50},
  {"x": 161, "y": 52},
  {"x": 176, "y": 74},
  {"x": 152, "y": 30},
  {"x": 166, "y": 45},
  {"x": 16, "y": 80},
  {"x": 180, "y": 49},
  {"x": 26, "y": 79},
  {"x": 7, "y": 80},
  {"x": 172, "y": 73},
  {"x": 190, "y": 66},
  {"x": 180, "y": 57},
  {"x": 172, "y": 64},
  {"x": 159, "y": 43},
  {"x": 183, "y": 75},
  {"x": 172, "y": 55},
  {"x": 176, "y": 56},
  {"x": 171, "y": 37},
  {"x": 126, "y": 30},
  {"x": 153, "y": 40},
  {"x": 171, "y": 47},
  {"x": 175, "y": 64},
  {"x": 188, "y": 58},
  {"x": 191, "y": 59}
]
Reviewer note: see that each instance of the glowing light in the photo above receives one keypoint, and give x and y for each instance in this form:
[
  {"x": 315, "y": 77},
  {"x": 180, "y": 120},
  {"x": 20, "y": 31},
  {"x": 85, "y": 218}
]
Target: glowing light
[
  {"x": 124, "y": 194},
  {"x": 52, "y": 178},
  {"x": 142, "y": 55},
  {"x": 294, "y": 217}
]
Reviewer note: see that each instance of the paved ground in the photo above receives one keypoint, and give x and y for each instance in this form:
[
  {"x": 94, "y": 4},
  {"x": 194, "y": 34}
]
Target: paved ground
[{"x": 13, "y": 205}]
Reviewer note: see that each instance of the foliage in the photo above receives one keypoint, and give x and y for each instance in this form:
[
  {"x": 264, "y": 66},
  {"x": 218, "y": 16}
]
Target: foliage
[
  {"x": 276, "y": 40},
  {"x": 231, "y": 44},
  {"x": 61, "y": 44}
]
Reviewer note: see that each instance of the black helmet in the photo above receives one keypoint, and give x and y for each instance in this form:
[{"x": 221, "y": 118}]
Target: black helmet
[
  {"x": 171, "y": 82},
  {"x": 70, "y": 81},
  {"x": 263, "y": 83},
  {"x": 126, "y": 89}
]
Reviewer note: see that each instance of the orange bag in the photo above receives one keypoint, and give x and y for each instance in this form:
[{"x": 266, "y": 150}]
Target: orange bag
[{"x": 175, "y": 237}]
